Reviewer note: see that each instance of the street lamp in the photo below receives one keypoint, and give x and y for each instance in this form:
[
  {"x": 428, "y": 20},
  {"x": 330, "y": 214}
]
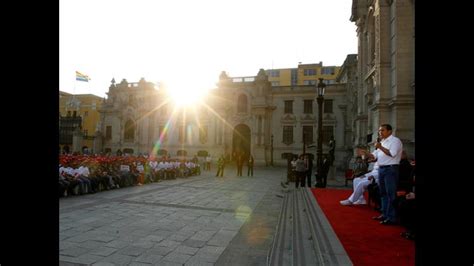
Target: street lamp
[{"x": 319, "y": 151}]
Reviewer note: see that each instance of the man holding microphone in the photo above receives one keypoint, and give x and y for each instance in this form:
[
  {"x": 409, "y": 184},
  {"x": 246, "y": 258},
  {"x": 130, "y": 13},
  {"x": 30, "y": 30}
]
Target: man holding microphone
[{"x": 388, "y": 152}]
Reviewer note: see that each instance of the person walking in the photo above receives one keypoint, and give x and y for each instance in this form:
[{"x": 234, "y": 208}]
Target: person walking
[{"x": 388, "y": 153}]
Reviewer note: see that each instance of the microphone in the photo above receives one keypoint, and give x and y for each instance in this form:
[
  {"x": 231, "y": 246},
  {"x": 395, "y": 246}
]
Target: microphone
[{"x": 378, "y": 140}]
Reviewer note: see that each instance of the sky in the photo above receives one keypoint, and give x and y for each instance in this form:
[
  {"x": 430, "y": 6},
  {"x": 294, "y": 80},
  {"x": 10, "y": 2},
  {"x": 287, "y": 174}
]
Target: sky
[{"x": 189, "y": 42}]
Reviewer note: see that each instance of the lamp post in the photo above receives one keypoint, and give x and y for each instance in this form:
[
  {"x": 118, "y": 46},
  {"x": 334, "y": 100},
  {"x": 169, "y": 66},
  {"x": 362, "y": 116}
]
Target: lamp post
[
  {"x": 271, "y": 151},
  {"x": 319, "y": 150}
]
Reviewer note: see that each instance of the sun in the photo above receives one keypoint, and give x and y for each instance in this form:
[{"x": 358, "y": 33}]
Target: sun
[{"x": 186, "y": 94}]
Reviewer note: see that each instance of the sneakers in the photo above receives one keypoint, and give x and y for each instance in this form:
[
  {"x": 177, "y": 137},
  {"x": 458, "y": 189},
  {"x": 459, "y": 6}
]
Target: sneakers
[
  {"x": 360, "y": 202},
  {"x": 346, "y": 202}
]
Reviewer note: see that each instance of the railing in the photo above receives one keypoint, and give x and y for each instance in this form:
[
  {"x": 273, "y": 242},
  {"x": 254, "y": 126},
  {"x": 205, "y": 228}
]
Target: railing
[{"x": 243, "y": 79}]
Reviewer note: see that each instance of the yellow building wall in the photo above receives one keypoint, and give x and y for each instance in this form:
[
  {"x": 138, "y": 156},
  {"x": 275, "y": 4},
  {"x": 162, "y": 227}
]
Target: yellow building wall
[
  {"x": 86, "y": 106},
  {"x": 285, "y": 74}
]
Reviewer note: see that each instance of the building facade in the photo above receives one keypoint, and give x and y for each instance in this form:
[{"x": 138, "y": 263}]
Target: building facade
[
  {"x": 78, "y": 121},
  {"x": 385, "y": 71},
  {"x": 304, "y": 74},
  {"x": 243, "y": 115}
]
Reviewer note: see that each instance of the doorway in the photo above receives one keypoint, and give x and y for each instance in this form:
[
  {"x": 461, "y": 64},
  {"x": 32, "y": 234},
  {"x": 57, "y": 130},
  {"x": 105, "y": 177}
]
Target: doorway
[{"x": 241, "y": 141}]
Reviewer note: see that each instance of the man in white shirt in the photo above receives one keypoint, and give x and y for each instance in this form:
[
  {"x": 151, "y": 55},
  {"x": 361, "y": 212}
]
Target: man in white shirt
[{"x": 388, "y": 152}]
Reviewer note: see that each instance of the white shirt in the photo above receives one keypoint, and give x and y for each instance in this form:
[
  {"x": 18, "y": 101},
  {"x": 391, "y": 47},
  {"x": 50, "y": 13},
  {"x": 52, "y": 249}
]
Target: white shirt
[{"x": 395, "y": 146}]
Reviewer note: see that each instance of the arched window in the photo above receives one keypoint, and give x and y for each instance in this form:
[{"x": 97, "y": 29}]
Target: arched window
[
  {"x": 202, "y": 153},
  {"x": 128, "y": 151},
  {"x": 129, "y": 134},
  {"x": 242, "y": 104},
  {"x": 162, "y": 152},
  {"x": 181, "y": 153}
]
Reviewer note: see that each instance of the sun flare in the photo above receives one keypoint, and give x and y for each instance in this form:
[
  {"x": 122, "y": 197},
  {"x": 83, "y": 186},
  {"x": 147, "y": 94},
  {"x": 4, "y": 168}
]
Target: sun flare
[{"x": 186, "y": 95}]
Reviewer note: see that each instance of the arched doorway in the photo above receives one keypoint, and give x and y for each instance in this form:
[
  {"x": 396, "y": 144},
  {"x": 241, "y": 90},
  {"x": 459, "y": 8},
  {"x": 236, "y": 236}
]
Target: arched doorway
[{"x": 241, "y": 141}]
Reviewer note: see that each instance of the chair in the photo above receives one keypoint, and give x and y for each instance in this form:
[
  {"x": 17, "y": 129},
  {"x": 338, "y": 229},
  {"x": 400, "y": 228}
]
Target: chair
[{"x": 349, "y": 175}]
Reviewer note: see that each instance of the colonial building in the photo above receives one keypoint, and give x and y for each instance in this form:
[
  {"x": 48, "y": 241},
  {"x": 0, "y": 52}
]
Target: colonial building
[
  {"x": 242, "y": 115},
  {"x": 78, "y": 121},
  {"x": 385, "y": 71},
  {"x": 348, "y": 78}
]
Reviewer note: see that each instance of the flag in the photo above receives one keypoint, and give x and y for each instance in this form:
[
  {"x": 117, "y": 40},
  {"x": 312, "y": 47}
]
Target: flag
[{"x": 82, "y": 77}]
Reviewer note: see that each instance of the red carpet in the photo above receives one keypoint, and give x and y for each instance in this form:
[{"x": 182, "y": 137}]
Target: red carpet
[{"x": 364, "y": 239}]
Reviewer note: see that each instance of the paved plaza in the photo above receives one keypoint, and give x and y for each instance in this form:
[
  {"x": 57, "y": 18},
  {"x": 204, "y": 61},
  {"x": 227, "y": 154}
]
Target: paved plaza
[{"x": 200, "y": 220}]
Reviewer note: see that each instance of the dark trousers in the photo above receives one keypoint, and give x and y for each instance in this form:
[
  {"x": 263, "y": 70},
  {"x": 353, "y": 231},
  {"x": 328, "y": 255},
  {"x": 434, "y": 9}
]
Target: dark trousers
[
  {"x": 308, "y": 177},
  {"x": 406, "y": 210},
  {"x": 250, "y": 171},
  {"x": 300, "y": 178}
]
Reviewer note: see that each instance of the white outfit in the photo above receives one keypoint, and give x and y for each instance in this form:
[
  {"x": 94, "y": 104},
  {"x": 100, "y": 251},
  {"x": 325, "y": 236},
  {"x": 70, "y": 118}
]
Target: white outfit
[
  {"x": 360, "y": 185},
  {"x": 395, "y": 146}
]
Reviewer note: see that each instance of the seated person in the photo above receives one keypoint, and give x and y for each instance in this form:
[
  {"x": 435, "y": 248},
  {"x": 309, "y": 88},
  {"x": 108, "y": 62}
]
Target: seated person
[
  {"x": 406, "y": 208},
  {"x": 360, "y": 186},
  {"x": 405, "y": 205}
]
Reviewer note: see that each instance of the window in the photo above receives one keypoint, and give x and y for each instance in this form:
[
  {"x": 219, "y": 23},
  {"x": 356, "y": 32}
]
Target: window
[
  {"x": 128, "y": 151},
  {"x": 203, "y": 134},
  {"x": 308, "y": 106},
  {"x": 273, "y": 73},
  {"x": 108, "y": 132},
  {"x": 129, "y": 133},
  {"x": 275, "y": 83},
  {"x": 242, "y": 104},
  {"x": 86, "y": 113},
  {"x": 288, "y": 107},
  {"x": 162, "y": 152},
  {"x": 202, "y": 153},
  {"x": 327, "y": 71},
  {"x": 294, "y": 77},
  {"x": 181, "y": 153},
  {"x": 328, "y": 106},
  {"x": 308, "y": 134},
  {"x": 309, "y": 72},
  {"x": 287, "y": 134},
  {"x": 85, "y": 132},
  {"x": 309, "y": 82},
  {"x": 327, "y": 134}
]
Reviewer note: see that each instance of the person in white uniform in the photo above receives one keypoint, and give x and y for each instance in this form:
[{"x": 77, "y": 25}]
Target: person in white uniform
[{"x": 360, "y": 185}]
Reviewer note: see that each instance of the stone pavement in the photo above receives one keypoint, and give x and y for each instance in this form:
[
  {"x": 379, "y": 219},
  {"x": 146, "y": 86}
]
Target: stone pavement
[{"x": 200, "y": 220}]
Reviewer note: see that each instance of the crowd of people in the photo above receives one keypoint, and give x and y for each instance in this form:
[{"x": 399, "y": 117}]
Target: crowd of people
[{"x": 83, "y": 174}]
